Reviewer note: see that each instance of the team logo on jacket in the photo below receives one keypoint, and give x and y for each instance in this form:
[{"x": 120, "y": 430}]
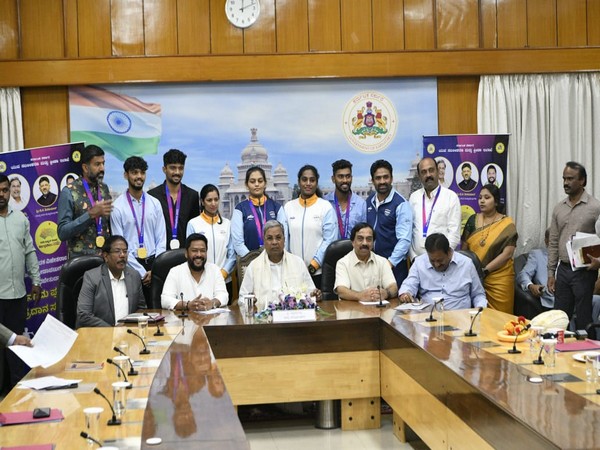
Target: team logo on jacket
[{"x": 370, "y": 122}]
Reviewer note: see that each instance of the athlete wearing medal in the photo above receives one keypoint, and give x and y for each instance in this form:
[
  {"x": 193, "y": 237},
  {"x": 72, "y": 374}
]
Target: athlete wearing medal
[
  {"x": 436, "y": 209},
  {"x": 138, "y": 217},
  {"x": 84, "y": 207},
  {"x": 350, "y": 209}
]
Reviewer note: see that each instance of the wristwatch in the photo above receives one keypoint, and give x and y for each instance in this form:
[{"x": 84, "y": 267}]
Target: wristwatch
[
  {"x": 485, "y": 272},
  {"x": 311, "y": 269}
]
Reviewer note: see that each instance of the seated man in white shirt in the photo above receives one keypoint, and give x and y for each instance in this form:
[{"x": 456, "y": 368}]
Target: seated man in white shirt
[
  {"x": 361, "y": 274},
  {"x": 276, "y": 271},
  {"x": 195, "y": 285},
  {"x": 442, "y": 272},
  {"x": 111, "y": 291}
]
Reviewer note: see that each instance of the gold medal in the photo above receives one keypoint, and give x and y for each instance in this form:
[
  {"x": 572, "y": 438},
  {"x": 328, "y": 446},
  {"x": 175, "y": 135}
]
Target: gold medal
[
  {"x": 99, "y": 241},
  {"x": 142, "y": 252},
  {"x": 174, "y": 244}
]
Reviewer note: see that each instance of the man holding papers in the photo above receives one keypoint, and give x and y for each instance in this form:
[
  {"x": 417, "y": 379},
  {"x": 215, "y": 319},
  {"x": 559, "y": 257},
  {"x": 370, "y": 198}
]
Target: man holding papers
[
  {"x": 361, "y": 274},
  {"x": 572, "y": 289},
  {"x": 111, "y": 291},
  {"x": 7, "y": 338}
]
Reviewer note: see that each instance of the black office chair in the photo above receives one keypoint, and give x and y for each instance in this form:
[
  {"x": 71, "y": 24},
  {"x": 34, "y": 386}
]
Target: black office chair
[
  {"x": 475, "y": 260},
  {"x": 69, "y": 285},
  {"x": 526, "y": 304},
  {"x": 160, "y": 269},
  {"x": 335, "y": 251}
]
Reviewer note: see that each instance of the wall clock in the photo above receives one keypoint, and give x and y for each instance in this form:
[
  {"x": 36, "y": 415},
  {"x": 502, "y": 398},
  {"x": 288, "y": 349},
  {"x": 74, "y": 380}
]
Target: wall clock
[{"x": 242, "y": 13}]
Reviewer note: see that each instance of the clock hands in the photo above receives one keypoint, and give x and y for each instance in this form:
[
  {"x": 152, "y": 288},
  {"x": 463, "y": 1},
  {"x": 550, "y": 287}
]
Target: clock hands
[{"x": 247, "y": 6}]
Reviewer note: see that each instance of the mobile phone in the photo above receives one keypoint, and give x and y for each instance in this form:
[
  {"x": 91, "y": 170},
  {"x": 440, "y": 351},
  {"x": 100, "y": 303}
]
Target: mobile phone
[{"x": 40, "y": 413}]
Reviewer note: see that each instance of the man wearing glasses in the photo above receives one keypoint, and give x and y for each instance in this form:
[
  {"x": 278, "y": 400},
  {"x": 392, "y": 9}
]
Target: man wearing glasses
[{"x": 111, "y": 291}]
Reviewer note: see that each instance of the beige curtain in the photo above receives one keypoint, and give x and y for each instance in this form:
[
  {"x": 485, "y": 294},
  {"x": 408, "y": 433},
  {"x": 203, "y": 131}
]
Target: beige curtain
[
  {"x": 551, "y": 119},
  {"x": 11, "y": 123}
]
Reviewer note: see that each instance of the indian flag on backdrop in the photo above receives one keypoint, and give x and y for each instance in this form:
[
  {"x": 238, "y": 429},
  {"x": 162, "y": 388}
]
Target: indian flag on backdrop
[{"x": 121, "y": 125}]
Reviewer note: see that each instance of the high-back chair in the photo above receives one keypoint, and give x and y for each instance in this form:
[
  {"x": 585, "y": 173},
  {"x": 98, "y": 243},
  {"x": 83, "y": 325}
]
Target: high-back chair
[
  {"x": 335, "y": 251},
  {"x": 160, "y": 269}
]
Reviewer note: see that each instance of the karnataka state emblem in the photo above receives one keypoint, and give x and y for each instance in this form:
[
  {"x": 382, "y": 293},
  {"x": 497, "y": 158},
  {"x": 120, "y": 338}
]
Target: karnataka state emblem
[{"x": 370, "y": 122}]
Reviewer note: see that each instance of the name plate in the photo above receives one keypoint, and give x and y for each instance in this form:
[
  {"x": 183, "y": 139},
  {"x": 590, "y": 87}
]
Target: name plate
[{"x": 295, "y": 315}]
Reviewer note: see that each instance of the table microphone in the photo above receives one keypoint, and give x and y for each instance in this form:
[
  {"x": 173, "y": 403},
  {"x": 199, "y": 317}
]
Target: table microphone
[
  {"x": 539, "y": 360},
  {"x": 132, "y": 372},
  {"x": 184, "y": 309},
  {"x": 113, "y": 420},
  {"x": 110, "y": 361},
  {"x": 431, "y": 318},
  {"x": 158, "y": 332},
  {"x": 84, "y": 435},
  {"x": 514, "y": 351},
  {"x": 470, "y": 332},
  {"x": 380, "y": 304},
  {"x": 145, "y": 351}
]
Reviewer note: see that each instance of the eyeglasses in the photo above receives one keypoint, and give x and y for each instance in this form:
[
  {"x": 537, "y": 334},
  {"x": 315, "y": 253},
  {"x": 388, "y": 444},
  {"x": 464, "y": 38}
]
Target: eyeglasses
[{"x": 119, "y": 251}]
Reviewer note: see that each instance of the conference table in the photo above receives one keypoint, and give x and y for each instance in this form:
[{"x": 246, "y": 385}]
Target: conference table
[{"x": 453, "y": 391}]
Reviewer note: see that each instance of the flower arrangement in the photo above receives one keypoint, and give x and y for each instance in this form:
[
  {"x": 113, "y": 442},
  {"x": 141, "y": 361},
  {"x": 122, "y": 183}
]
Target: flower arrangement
[{"x": 287, "y": 302}]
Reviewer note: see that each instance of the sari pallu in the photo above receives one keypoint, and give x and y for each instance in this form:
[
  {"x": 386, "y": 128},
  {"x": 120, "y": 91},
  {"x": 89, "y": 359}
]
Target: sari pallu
[{"x": 487, "y": 243}]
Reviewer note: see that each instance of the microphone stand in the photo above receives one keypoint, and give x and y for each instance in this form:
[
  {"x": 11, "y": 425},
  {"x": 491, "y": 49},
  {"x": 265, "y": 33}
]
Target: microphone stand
[
  {"x": 470, "y": 332},
  {"x": 431, "y": 318},
  {"x": 145, "y": 351},
  {"x": 84, "y": 435},
  {"x": 539, "y": 361},
  {"x": 380, "y": 304},
  {"x": 113, "y": 420},
  {"x": 184, "y": 309},
  {"x": 513, "y": 350},
  {"x": 158, "y": 331},
  {"x": 132, "y": 372},
  {"x": 110, "y": 361}
]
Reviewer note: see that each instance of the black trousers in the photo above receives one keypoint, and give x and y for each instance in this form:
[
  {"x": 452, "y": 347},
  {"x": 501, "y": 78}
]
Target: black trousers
[
  {"x": 573, "y": 293},
  {"x": 13, "y": 313}
]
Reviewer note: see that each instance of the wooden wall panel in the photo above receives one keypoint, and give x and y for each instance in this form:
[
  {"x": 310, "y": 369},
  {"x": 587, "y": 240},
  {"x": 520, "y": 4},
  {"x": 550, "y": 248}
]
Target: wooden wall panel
[
  {"x": 457, "y": 24},
  {"x": 357, "y": 27},
  {"x": 193, "y": 27},
  {"x": 541, "y": 23},
  {"x": 224, "y": 37},
  {"x": 127, "y": 24},
  {"x": 9, "y": 30},
  {"x": 260, "y": 37},
  {"x": 160, "y": 27},
  {"x": 388, "y": 25},
  {"x": 488, "y": 26},
  {"x": 512, "y": 24},
  {"x": 419, "y": 25},
  {"x": 324, "y": 26},
  {"x": 71, "y": 29},
  {"x": 45, "y": 116},
  {"x": 593, "y": 19},
  {"x": 42, "y": 34},
  {"x": 292, "y": 25},
  {"x": 93, "y": 25},
  {"x": 457, "y": 105},
  {"x": 572, "y": 25}
]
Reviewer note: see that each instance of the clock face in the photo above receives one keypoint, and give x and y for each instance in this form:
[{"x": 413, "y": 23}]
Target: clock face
[{"x": 242, "y": 13}]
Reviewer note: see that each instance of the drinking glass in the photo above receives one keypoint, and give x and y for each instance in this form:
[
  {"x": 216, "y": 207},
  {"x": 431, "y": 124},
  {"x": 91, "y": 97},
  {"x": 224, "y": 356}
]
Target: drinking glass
[
  {"x": 92, "y": 423},
  {"x": 119, "y": 398},
  {"x": 549, "y": 352},
  {"x": 142, "y": 326}
]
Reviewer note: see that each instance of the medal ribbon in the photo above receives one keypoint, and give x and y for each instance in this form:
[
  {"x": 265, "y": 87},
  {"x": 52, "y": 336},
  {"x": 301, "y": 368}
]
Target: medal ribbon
[
  {"x": 428, "y": 219},
  {"x": 343, "y": 225},
  {"x": 257, "y": 222},
  {"x": 88, "y": 192},
  {"x": 140, "y": 231},
  {"x": 177, "y": 207}
]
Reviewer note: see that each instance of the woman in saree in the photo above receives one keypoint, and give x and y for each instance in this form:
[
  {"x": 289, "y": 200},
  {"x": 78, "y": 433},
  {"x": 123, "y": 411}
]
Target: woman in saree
[{"x": 492, "y": 236}]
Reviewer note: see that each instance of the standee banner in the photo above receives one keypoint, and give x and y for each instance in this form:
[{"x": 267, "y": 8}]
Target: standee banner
[
  {"x": 36, "y": 178},
  {"x": 466, "y": 163}
]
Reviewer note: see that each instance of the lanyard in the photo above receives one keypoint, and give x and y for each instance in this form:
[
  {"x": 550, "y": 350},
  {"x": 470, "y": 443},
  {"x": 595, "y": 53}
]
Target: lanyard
[
  {"x": 428, "y": 219},
  {"x": 343, "y": 225},
  {"x": 88, "y": 192},
  {"x": 257, "y": 222},
  {"x": 174, "y": 221},
  {"x": 140, "y": 231}
]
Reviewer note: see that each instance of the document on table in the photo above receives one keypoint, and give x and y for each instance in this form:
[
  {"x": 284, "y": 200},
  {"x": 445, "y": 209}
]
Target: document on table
[
  {"x": 51, "y": 343},
  {"x": 47, "y": 382},
  {"x": 214, "y": 311},
  {"x": 369, "y": 303},
  {"x": 412, "y": 306}
]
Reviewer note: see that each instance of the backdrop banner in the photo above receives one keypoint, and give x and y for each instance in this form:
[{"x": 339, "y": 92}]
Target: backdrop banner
[
  {"x": 36, "y": 177},
  {"x": 467, "y": 163}
]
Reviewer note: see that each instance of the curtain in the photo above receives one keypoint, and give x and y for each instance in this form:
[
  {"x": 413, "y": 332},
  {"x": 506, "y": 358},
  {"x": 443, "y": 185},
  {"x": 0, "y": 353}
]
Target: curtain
[
  {"x": 11, "y": 123},
  {"x": 551, "y": 119}
]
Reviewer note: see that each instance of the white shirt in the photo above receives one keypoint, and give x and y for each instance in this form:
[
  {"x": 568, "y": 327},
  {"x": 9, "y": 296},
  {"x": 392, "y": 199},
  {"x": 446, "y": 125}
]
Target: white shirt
[
  {"x": 352, "y": 273},
  {"x": 445, "y": 218},
  {"x": 180, "y": 280},
  {"x": 119, "y": 293}
]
